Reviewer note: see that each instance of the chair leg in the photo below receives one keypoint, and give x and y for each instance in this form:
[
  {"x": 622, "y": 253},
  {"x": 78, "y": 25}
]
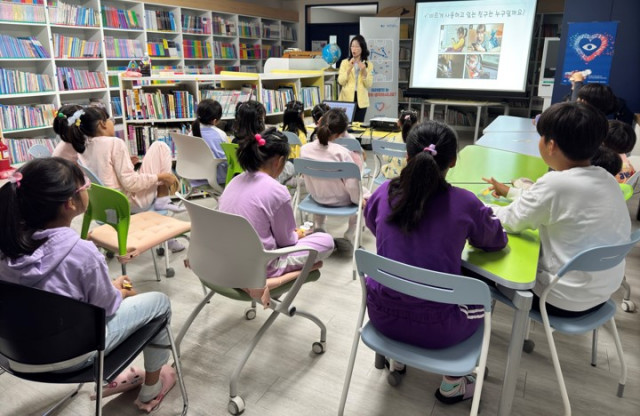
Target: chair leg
[
  {"x": 623, "y": 364},
  {"x": 558, "y": 370},
  {"x": 176, "y": 361},
  {"x": 190, "y": 319},
  {"x": 62, "y": 401},
  {"x": 347, "y": 378},
  {"x": 155, "y": 263},
  {"x": 123, "y": 267},
  {"x": 627, "y": 304},
  {"x": 594, "y": 348},
  {"x": 322, "y": 347}
]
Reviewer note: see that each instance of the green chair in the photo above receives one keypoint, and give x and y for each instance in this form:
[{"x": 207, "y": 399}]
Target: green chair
[
  {"x": 233, "y": 166},
  {"x": 125, "y": 234}
]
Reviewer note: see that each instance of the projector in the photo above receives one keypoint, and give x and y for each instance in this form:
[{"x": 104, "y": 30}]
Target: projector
[{"x": 384, "y": 123}]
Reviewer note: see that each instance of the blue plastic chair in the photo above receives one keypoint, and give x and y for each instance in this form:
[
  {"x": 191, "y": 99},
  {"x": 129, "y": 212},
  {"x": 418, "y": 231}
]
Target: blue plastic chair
[
  {"x": 39, "y": 151},
  {"x": 330, "y": 170},
  {"x": 591, "y": 260},
  {"x": 458, "y": 360},
  {"x": 382, "y": 148},
  {"x": 354, "y": 145},
  {"x": 292, "y": 138}
]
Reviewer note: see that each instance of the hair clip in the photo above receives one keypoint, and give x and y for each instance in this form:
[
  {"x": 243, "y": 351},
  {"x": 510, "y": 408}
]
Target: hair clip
[
  {"x": 75, "y": 118},
  {"x": 260, "y": 140},
  {"x": 15, "y": 177},
  {"x": 60, "y": 115},
  {"x": 407, "y": 117},
  {"x": 431, "y": 149}
]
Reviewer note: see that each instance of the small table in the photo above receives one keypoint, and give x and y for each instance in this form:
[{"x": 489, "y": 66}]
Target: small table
[
  {"x": 478, "y": 104},
  {"x": 525, "y": 143},
  {"x": 509, "y": 124},
  {"x": 476, "y": 162}
]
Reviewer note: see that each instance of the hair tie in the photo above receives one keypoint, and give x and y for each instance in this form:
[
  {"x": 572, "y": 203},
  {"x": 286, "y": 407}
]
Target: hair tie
[
  {"x": 431, "y": 149},
  {"x": 75, "y": 118},
  {"x": 60, "y": 115},
  {"x": 407, "y": 117},
  {"x": 15, "y": 177},
  {"x": 260, "y": 140}
]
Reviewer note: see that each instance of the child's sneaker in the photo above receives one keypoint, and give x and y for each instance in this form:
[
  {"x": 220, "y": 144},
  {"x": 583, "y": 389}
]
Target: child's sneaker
[
  {"x": 167, "y": 381},
  {"x": 456, "y": 389},
  {"x": 164, "y": 203},
  {"x": 175, "y": 246},
  {"x": 125, "y": 381}
]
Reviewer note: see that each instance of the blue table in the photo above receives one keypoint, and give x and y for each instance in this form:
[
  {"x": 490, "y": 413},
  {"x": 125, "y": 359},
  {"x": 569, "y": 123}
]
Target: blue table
[
  {"x": 525, "y": 143},
  {"x": 510, "y": 124}
]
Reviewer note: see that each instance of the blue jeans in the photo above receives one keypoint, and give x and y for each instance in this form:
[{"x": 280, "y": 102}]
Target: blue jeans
[{"x": 134, "y": 313}]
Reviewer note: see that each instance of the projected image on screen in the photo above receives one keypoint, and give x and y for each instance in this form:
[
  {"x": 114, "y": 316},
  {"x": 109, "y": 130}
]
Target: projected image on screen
[{"x": 459, "y": 46}]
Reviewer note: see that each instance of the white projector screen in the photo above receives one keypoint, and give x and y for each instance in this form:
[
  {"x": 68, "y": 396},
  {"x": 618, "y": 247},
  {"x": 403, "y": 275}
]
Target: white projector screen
[{"x": 473, "y": 48}]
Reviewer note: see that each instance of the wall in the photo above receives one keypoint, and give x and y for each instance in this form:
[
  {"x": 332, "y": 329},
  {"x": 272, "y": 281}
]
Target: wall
[{"x": 624, "y": 78}]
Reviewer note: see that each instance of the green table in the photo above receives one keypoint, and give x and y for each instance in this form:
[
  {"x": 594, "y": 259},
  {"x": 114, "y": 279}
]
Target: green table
[{"x": 476, "y": 162}]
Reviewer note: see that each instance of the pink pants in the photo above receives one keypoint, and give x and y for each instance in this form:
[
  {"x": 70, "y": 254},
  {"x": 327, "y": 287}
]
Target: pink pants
[{"x": 156, "y": 160}]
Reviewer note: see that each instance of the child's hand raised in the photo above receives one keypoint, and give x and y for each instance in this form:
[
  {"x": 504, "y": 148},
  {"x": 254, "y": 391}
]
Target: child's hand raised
[{"x": 497, "y": 189}]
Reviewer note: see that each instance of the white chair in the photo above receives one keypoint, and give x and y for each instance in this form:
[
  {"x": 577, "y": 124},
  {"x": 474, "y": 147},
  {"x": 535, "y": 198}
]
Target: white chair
[
  {"x": 195, "y": 161},
  {"x": 38, "y": 151},
  {"x": 459, "y": 360},
  {"x": 389, "y": 149},
  {"x": 226, "y": 254},
  {"x": 336, "y": 171},
  {"x": 591, "y": 260}
]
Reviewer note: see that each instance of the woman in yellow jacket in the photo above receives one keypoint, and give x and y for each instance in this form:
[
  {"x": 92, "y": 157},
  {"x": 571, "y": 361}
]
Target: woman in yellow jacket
[{"x": 356, "y": 77}]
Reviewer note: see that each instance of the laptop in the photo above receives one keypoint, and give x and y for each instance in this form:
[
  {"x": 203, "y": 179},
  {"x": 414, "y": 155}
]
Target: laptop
[{"x": 348, "y": 107}]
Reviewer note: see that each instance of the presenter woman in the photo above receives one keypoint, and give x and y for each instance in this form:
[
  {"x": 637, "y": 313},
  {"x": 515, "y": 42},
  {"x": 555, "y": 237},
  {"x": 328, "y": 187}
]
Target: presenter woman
[{"x": 356, "y": 77}]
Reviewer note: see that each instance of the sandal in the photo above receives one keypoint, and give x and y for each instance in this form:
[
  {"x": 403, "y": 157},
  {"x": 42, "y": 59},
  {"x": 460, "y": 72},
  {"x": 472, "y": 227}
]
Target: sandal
[
  {"x": 168, "y": 380},
  {"x": 465, "y": 389}
]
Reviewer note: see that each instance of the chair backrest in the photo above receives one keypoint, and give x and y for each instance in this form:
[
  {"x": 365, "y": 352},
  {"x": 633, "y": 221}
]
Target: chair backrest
[
  {"x": 391, "y": 149},
  {"x": 233, "y": 166},
  {"x": 224, "y": 249},
  {"x": 600, "y": 258},
  {"x": 195, "y": 160},
  {"x": 38, "y": 327},
  {"x": 320, "y": 169},
  {"x": 292, "y": 138},
  {"x": 350, "y": 143},
  {"x": 423, "y": 283},
  {"x": 108, "y": 206},
  {"x": 89, "y": 174},
  {"x": 39, "y": 151}
]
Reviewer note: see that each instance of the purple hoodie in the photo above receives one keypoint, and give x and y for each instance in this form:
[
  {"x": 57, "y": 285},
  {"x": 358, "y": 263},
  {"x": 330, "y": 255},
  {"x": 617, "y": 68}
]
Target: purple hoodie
[{"x": 65, "y": 265}]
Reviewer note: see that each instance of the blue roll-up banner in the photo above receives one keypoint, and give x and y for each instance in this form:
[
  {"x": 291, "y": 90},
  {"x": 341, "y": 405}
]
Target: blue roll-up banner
[{"x": 590, "y": 46}]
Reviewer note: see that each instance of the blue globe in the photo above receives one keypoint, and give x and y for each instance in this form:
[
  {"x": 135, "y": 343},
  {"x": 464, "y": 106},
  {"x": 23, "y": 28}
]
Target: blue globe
[{"x": 331, "y": 53}]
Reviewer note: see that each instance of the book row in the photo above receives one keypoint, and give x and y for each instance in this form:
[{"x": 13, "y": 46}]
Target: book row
[
  {"x": 224, "y": 50},
  {"x": 78, "y": 79},
  {"x": 159, "y": 20},
  {"x": 228, "y": 99},
  {"x": 223, "y": 27},
  {"x": 71, "y": 14},
  {"x": 19, "y": 148},
  {"x": 70, "y": 47},
  {"x": 21, "y": 47},
  {"x": 196, "y": 24},
  {"x": 249, "y": 29},
  {"x": 257, "y": 51},
  {"x": 116, "y": 107},
  {"x": 140, "y": 105},
  {"x": 12, "y": 12},
  {"x": 196, "y": 49},
  {"x": 123, "y": 48},
  {"x": 18, "y": 117},
  {"x": 310, "y": 96},
  {"x": 120, "y": 19},
  {"x": 162, "y": 48},
  {"x": 15, "y": 82},
  {"x": 141, "y": 137},
  {"x": 274, "y": 101}
]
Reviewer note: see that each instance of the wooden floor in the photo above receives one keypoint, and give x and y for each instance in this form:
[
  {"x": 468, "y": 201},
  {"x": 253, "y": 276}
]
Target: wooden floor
[{"x": 285, "y": 378}]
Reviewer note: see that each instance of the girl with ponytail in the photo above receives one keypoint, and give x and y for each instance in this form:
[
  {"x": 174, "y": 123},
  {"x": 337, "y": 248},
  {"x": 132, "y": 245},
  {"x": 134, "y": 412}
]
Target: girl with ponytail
[
  {"x": 257, "y": 196},
  {"x": 421, "y": 220},
  {"x": 391, "y": 169}
]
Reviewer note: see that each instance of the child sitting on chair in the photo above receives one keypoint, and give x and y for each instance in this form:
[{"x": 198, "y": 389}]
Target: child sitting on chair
[
  {"x": 575, "y": 207},
  {"x": 39, "y": 249},
  {"x": 257, "y": 196},
  {"x": 208, "y": 114},
  {"x": 421, "y": 220},
  {"x": 391, "y": 169}
]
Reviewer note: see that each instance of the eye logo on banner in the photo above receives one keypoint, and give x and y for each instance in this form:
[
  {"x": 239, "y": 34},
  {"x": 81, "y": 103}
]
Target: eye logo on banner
[{"x": 590, "y": 46}]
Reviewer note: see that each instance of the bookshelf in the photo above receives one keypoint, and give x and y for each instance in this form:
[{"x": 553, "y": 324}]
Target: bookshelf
[{"x": 55, "y": 52}]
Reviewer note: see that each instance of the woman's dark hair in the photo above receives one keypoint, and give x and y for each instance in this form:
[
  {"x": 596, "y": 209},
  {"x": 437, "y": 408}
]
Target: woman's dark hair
[
  {"x": 364, "y": 55},
  {"x": 620, "y": 137},
  {"x": 252, "y": 155},
  {"x": 292, "y": 118},
  {"x": 431, "y": 148},
  {"x": 249, "y": 119},
  {"x": 318, "y": 111},
  {"x": 76, "y": 132},
  {"x": 598, "y": 95},
  {"x": 577, "y": 128},
  {"x": 608, "y": 160},
  {"x": 207, "y": 113},
  {"x": 408, "y": 118},
  {"x": 34, "y": 201},
  {"x": 334, "y": 121}
]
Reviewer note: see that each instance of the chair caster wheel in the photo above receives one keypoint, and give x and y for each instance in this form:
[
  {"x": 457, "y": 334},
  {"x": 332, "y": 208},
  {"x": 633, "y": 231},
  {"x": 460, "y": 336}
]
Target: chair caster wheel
[
  {"x": 109, "y": 254},
  {"x": 394, "y": 378},
  {"x": 170, "y": 272},
  {"x": 528, "y": 346},
  {"x": 628, "y": 305},
  {"x": 236, "y": 405},
  {"x": 380, "y": 360},
  {"x": 160, "y": 251},
  {"x": 319, "y": 347},
  {"x": 249, "y": 314}
]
